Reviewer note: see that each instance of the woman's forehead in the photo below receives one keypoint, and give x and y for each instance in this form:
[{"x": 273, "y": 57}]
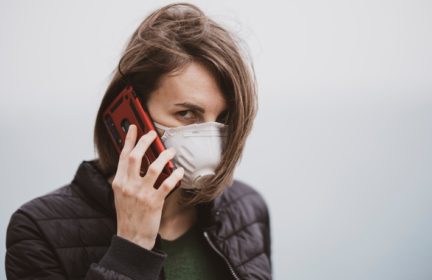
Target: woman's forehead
[{"x": 193, "y": 84}]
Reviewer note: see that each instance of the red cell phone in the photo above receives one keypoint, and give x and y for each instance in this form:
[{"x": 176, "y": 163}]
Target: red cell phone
[{"x": 127, "y": 109}]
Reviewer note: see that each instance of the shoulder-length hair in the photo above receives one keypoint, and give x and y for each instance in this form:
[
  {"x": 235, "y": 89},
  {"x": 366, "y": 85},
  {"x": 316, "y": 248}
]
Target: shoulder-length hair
[{"x": 167, "y": 40}]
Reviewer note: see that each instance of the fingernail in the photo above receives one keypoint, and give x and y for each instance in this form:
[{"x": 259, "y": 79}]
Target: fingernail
[{"x": 152, "y": 133}]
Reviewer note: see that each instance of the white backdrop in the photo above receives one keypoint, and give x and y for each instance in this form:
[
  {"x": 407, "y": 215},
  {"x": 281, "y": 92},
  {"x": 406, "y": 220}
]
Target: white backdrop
[{"x": 341, "y": 149}]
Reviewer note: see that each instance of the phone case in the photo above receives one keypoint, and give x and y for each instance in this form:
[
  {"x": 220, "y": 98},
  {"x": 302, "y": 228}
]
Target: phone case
[{"x": 127, "y": 109}]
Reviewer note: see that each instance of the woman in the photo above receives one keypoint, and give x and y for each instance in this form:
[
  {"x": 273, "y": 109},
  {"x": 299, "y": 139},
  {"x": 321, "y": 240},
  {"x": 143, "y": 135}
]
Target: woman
[{"x": 111, "y": 222}]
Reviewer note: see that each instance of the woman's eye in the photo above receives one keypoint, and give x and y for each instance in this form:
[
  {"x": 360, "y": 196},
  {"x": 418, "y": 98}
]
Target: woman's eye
[{"x": 187, "y": 114}]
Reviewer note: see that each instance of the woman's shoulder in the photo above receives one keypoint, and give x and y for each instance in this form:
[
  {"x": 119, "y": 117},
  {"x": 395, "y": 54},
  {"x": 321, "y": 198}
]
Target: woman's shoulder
[
  {"x": 241, "y": 196},
  {"x": 55, "y": 204},
  {"x": 46, "y": 212},
  {"x": 65, "y": 203},
  {"x": 79, "y": 198},
  {"x": 64, "y": 210},
  {"x": 240, "y": 190}
]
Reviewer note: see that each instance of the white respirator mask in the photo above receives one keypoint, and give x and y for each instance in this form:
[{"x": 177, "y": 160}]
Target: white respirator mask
[{"x": 198, "y": 150}]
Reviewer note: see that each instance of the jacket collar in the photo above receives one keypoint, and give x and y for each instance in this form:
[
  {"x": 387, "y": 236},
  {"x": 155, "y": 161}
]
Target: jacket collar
[{"x": 94, "y": 187}]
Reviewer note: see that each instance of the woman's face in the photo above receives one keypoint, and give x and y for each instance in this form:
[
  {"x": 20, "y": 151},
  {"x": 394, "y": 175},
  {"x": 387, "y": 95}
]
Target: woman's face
[{"x": 191, "y": 95}]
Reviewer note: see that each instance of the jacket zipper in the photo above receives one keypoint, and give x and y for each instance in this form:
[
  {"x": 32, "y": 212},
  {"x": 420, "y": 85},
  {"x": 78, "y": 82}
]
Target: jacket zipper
[{"x": 222, "y": 255}]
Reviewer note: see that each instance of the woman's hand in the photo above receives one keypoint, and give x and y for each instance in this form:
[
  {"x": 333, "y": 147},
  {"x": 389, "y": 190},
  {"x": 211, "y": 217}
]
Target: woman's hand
[{"x": 138, "y": 204}]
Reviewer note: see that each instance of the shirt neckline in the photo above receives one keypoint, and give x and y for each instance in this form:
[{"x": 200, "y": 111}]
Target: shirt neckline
[{"x": 181, "y": 237}]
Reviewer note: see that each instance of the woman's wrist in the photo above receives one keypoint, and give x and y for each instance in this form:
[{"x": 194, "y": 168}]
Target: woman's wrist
[
  {"x": 126, "y": 257},
  {"x": 146, "y": 243}
]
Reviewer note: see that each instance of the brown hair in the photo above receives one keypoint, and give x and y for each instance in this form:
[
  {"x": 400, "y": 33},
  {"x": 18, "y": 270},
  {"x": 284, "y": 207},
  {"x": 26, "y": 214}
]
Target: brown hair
[{"x": 167, "y": 40}]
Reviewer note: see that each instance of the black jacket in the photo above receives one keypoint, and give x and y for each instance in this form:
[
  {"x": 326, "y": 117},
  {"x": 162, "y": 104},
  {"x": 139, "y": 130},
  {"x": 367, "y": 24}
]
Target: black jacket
[{"x": 70, "y": 234}]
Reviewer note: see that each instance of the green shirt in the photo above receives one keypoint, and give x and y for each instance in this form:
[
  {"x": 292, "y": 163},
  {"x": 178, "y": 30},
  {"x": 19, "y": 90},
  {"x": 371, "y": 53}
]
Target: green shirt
[{"x": 191, "y": 257}]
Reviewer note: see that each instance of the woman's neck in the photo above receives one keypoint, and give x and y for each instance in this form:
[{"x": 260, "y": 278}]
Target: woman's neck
[{"x": 176, "y": 219}]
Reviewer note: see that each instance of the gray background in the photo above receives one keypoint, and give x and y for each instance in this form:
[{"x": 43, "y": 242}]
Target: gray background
[{"x": 341, "y": 149}]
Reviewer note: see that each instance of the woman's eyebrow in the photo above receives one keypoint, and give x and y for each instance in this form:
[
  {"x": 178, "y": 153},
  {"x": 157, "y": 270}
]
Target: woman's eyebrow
[{"x": 191, "y": 106}]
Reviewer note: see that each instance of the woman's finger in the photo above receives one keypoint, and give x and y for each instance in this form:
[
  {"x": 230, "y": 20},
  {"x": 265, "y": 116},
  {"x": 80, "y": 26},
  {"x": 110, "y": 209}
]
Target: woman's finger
[
  {"x": 127, "y": 147},
  {"x": 156, "y": 167},
  {"x": 136, "y": 155},
  {"x": 169, "y": 183}
]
